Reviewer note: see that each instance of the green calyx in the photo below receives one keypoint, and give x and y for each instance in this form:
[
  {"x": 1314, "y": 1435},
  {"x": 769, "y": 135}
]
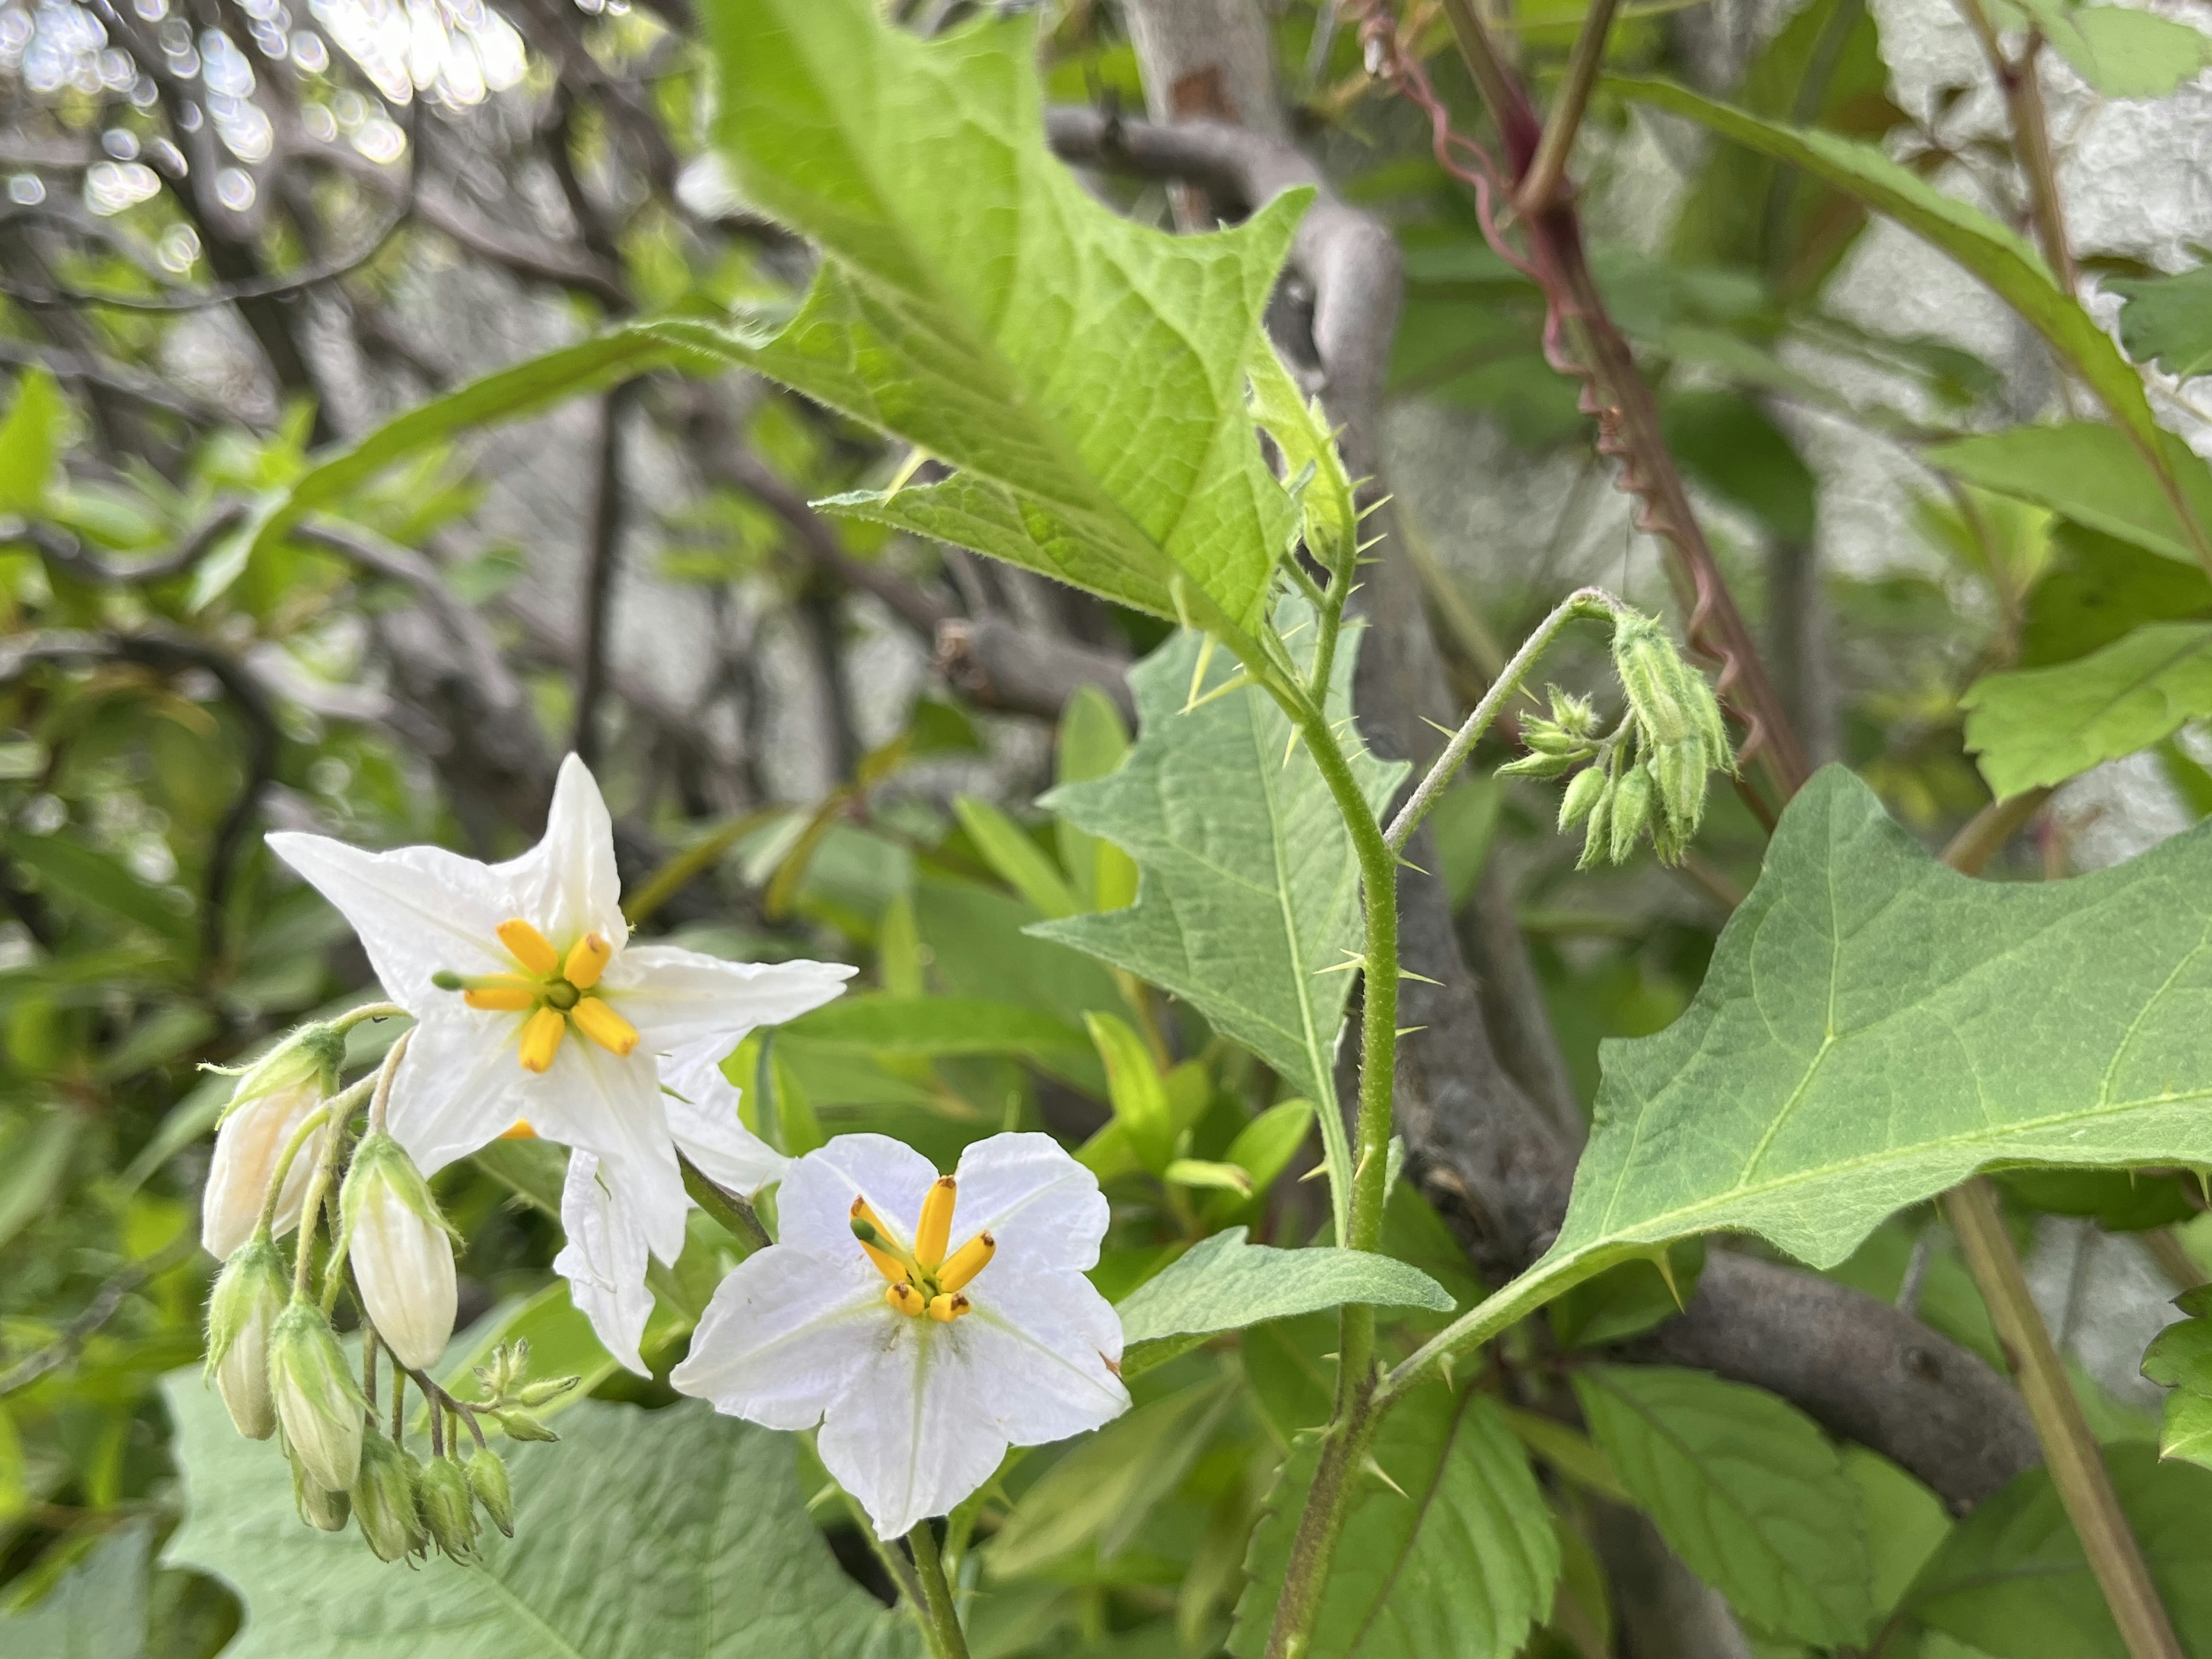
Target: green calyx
[{"x": 311, "y": 1055}]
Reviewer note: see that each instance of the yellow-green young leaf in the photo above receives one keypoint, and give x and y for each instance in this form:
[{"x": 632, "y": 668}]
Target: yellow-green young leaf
[
  {"x": 931, "y": 1026},
  {"x": 698, "y": 1542},
  {"x": 1014, "y": 857},
  {"x": 1746, "y": 1489},
  {"x": 2011, "y": 1577},
  {"x": 30, "y": 441},
  {"x": 1876, "y": 1027},
  {"x": 1329, "y": 513},
  {"x": 1448, "y": 1550},
  {"x": 1092, "y": 743},
  {"x": 2092, "y": 474},
  {"x": 1249, "y": 898},
  {"x": 1263, "y": 1149},
  {"x": 898, "y": 948},
  {"x": 1214, "y": 1176},
  {"x": 1085, "y": 375},
  {"x": 1987, "y": 248},
  {"x": 2046, "y": 725},
  {"x": 2168, "y": 320},
  {"x": 2120, "y": 51},
  {"x": 2184, "y": 1432},
  {"x": 1139, "y": 1093}
]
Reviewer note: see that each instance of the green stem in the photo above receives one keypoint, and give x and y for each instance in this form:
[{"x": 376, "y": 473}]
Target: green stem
[
  {"x": 738, "y": 1217},
  {"x": 1546, "y": 177},
  {"x": 308, "y": 1125},
  {"x": 945, "y": 1639},
  {"x": 311, "y": 1207}
]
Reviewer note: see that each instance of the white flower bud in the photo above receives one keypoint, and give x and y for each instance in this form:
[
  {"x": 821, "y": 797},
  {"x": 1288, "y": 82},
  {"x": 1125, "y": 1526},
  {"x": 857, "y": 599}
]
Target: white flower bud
[
  {"x": 402, "y": 1258},
  {"x": 249, "y": 1295},
  {"x": 247, "y": 1147},
  {"x": 318, "y": 1401}
]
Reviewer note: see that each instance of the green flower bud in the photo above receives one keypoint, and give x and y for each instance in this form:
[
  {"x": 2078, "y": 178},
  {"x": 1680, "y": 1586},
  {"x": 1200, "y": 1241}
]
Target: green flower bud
[
  {"x": 1535, "y": 765},
  {"x": 1582, "y": 797},
  {"x": 307, "y": 1058},
  {"x": 1681, "y": 770},
  {"x": 249, "y": 1297},
  {"x": 318, "y": 1506},
  {"x": 546, "y": 1389},
  {"x": 1597, "y": 838},
  {"x": 384, "y": 1500},
  {"x": 521, "y": 1425},
  {"x": 400, "y": 1249},
  {"x": 318, "y": 1401},
  {"x": 1631, "y": 810},
  {"x": 449, "y": 1509},
  {"x": 254, "y": 1136},
  {"x": 488, "y": 1481}
]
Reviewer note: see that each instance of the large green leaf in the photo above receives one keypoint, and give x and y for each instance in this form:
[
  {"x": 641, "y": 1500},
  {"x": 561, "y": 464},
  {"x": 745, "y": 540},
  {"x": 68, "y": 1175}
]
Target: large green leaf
[
  {"x": 2168, "y": 320},
  {"x": 642, "y": 1534},
  {"x": 1987, "y": 248},
  {"x": 98, "y": 1610},
  {"x": 1085, "y": 374},
  {"x": 1746, "y": 1489},
  {"x": 1876, "y": 1027},
  {"x": 1448, "y": 1553},
  {"x": 2091, "y": 473},
  {"x": 2011, "y": 1577},
  {"x": 1248, "y": 900},
  {"x": 2045, "y": 725}
]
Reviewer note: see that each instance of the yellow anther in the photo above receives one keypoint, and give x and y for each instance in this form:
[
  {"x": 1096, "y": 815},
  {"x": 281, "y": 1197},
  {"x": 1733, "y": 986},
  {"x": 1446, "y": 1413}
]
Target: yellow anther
[
  {"x": 603, "y": 1026},
  {"x": 947, "y": 1308},
  {"x": 967, "y": 1261},
  {"x": 521, "y": 1131},
  {"x": 587, "y": 959},
  {"x": 935, "y": 1226},
  {"x": 903, "y": 1296},
  {"x": 528, "y": 946},
  {"x": 508, "y": 994},
  {"x": 886, "y": 1264},
  {"x": 541, "y": 1039}
]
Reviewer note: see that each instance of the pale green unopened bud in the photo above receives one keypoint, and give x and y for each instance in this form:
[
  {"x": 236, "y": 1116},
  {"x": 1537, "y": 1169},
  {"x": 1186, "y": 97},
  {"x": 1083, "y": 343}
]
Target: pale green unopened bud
[
  {"x": 1596, "y": 839},
  {"x": 318, "y": 1505},
  {"x": 1681, "y": 769},
  {"x": 1582, "y": 797},
  {"x": 402, "y": 1257},
  {"x": 318, "y": 1401},
  {"x": 488, "y": 1481},
  {"x": 521, "y": 1425},
  {"x": 247, "y": 1146},
  {"x": 546, "y": 1389},
  {"x": 1534, "y": 765},
  {"x": 1652, "y": 674},
  {"x": 384, "y": 1499},
  {"x": 449, "y": 1509},
  {"x": 249, "y": 1297},
  {"x": 1631, "y": 810}
]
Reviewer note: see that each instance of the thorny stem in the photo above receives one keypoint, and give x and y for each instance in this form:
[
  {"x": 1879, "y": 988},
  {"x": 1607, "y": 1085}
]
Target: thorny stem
[{"x": 945, "y": 1639}]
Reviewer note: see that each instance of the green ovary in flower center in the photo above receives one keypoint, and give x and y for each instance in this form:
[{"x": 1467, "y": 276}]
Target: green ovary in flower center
[
  {"x": 553, "y": 990},
  {"x": 924, "y": 1279}
]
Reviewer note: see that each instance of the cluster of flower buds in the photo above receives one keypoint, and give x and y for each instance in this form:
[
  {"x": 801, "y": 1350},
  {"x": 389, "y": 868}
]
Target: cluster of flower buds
[{"x": 1649, "y": 774}]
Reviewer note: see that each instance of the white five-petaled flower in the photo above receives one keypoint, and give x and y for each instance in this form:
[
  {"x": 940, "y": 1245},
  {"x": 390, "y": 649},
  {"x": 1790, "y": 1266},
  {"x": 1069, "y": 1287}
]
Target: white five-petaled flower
[
  {"x": 533, "y": 1008},
  {"x": 926, "y": 1323}
]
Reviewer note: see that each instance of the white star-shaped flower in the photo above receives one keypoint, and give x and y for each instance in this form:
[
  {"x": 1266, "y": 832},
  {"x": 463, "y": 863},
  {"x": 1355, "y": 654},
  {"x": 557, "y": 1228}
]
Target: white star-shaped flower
[
  {"x": 533, "y": 1007},
  {"x": 926, "y": 1323}
]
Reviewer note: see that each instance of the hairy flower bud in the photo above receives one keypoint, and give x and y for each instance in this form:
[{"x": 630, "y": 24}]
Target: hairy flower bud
[
  {"x": 249, "y": 1297},
  {"x": 449, "y": 1509},
  {"x": 488, "y": 1481},
  {"x": 318, "y": 1505},
  {"x": 1582, "y": 796},
  {"x": 1631, "y": 810},
  {"x": 318, "y": 1401},
  {"x": 1597, "y": 839},
  {"x": 1653, "y": 674},
  {"x": 521, "y": 1425},
  {"x": 402, "y": 1257},
  {"x": 252, "y": 1137},
  {"x": 384, "y": 1499}
]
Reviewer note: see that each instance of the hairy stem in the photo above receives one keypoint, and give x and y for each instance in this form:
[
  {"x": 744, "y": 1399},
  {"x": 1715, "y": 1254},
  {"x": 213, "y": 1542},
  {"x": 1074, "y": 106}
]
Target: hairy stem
[{"x": 945, "y": 1639}]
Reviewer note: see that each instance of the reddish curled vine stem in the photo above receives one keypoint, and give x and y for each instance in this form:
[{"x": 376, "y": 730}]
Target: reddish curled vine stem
[{"x": 1580, "y": 340}]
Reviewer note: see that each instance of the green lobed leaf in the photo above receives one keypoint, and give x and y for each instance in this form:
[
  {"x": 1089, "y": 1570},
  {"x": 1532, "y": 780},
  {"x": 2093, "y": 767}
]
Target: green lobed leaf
[
  {"x": 641, "y": 1535},
  {"x": 2011, "y": 1577},
  {"x": 1224, "y": 1283},
  {"x": 2090, "y": 473},
  {"x": 2168, "y": 320},
  {"x": 1249, "y": 899},
  {"x": 1746, "y": 1489},
  {"x": 1087, "y": 375},
  {"x": 1876, "y": 1027},
  {"x": 2097, "y": 588},
  {"x": 2044, "y": 725},
  {"x": 1453, "y": 1556}
]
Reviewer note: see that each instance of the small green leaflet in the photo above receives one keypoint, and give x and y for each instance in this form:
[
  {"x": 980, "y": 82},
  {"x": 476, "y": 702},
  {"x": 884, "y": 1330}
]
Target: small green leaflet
[
  {"x": 2042, "y": 725},
  {"x": 642, "y": 1534},
  {"x": 1249, "y": 904},
  {"x": 1746, "y": 1489},
  {"x": 2120, "y": 51},
  {"x": 1452, "y": 1557},
  {"x": 2090, "y": 473},
  {"x": 2168, "y": 320},
  {"x": 1086, "y": 375}
]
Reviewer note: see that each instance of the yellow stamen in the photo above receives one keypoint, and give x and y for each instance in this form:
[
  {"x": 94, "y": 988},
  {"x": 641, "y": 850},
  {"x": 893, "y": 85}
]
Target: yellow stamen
[
  {"x": 528, "y": 946},
  {"x": 541, "y": 1039},
  {"x": 521, "y": 1131},
  {"x": 503, "y": 999},
  {"x": 603, "y": 1026},
  {"x": 886, "y": 1264},
  {"x": 967, "y": 1261},
  {"x": 903, "y": 1296},
  {"x": 587, "y": 959},
  {"x": 947, "y": 1308},
  {"x": 935, "y": 1226}
]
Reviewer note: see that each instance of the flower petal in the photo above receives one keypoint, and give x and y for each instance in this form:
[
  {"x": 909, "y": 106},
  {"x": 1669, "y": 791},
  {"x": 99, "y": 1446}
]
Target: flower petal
[
  {"x": 1043, "y": 1341},
  {"x": 569, "y": 877},
  {"x": 814, "y": 1205},
  {"x": 703, "y": 1115},
  {"x": 912, "y": 1433},
  {"x": 1043, "y": 1208},
  {"x": 604, "y": 1261},
  {"x": 684, "y": 1002},
  {"x": 415, "y": 910},
  {"x": 612, "y": 1105},
  {"x": 784, "y": 1335},
  {"x": 459, "y": 1087}
]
